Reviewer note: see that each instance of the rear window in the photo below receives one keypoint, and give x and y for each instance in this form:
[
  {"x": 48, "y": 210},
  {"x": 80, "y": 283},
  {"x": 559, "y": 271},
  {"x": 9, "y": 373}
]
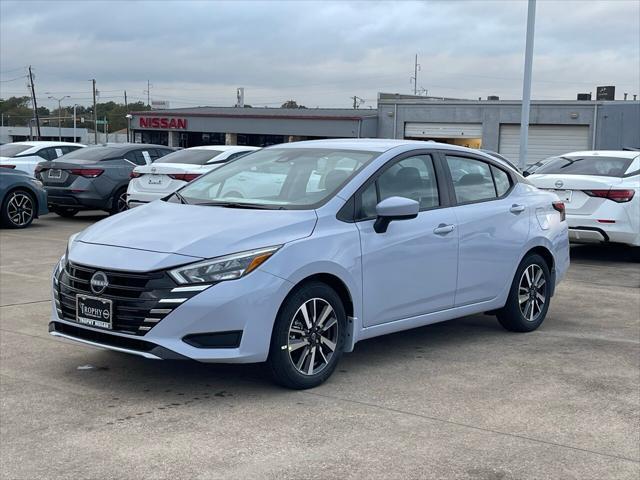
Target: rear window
[
  {"x": 191, "y": 157},
  {"x": 10, "y": 150},
  {"x": 592, "y": 165},
  {"x": 95, "y": 153}
]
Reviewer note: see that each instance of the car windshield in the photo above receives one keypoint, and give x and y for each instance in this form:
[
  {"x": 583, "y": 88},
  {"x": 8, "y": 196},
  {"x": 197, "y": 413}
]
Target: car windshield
[
  {"x": 287, "y": 178},
  {"x": 9, "y": 150},
  {"x": 190, "y": 157},
  {"x": 591, "y": 165}
]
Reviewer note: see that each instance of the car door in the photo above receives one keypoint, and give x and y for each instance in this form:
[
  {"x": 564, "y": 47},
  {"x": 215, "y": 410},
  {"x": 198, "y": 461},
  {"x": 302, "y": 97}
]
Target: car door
[
  {"x": 493, "y": 226},
  {"x": 411, "y": 269}
]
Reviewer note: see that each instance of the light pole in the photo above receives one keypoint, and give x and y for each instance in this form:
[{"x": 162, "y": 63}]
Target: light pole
[
  {"x": 59, "y": 114},
  {"x": 75, "y": 105},
  {"x": 526, "y": 85},
  {"x": 128, "y": 116}
]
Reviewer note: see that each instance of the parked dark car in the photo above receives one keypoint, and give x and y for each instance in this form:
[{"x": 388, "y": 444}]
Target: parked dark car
[
  {"x": 22, "y": 198},
  {"x": 95, "y": 178}
]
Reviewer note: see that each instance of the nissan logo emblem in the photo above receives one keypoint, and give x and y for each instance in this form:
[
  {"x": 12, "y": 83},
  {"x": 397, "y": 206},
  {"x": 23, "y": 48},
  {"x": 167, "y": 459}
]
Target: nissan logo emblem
[
  {"x": 559, "y": 184},
  {"x": 99, "y": 282}
]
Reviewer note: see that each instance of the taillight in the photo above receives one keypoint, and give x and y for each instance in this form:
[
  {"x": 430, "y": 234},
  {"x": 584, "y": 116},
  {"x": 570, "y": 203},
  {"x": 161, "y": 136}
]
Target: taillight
[
  {"x": 87, "y": 172},
  {"x": 620, "y": 196},
  {"x": 7, "y": 166},
  {"x": 559, "y": 207},
  {"x": 134, "y": 174},
  {"x": 185, "y": 177}
]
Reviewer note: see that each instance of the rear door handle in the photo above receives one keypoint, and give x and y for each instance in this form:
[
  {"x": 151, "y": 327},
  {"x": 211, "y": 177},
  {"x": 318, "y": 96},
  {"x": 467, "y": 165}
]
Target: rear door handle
[
  {"x": 515, "y": 208},
  {"x": 443, "y": 229}
]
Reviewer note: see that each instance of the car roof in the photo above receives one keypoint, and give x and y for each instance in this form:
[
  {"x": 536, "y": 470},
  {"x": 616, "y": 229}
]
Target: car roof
[
  {"x": 38, "y": 143},
  {"x": 603, "y": 153},
  {"x": 223, "y": 148},
  {"x": 378, "y": 145},
  {"x": 125, "y": 147}
]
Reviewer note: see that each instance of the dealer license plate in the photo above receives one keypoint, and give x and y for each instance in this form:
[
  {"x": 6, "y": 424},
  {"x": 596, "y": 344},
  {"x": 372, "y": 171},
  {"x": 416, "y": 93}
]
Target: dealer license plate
[
  {"x": 55, "y": 173},
  {"x": 94, "y": 311},
  {"x": 155, "y": 180}
]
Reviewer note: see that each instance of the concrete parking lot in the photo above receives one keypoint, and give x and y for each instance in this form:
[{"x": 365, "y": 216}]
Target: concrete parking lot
[{"x": 463, "y": 399}]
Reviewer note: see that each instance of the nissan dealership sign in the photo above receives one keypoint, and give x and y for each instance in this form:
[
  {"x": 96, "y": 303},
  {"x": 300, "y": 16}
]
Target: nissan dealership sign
[{"x": 164, "y": 123}]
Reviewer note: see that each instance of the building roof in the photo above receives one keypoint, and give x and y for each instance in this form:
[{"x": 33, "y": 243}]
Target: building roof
[{"x": 237, "y": 112}]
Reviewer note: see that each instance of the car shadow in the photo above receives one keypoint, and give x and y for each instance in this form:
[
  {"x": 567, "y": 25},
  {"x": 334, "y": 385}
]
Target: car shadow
[
  {"x": 604, "y": 253},
  {"x": 124, "y": 375}
]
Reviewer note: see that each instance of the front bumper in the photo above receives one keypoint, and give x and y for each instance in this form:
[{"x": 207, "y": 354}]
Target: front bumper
[{"x": 248, "y": 305}]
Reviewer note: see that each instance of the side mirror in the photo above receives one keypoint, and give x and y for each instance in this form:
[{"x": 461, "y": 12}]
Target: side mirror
[{"x": 394, "y": 208}]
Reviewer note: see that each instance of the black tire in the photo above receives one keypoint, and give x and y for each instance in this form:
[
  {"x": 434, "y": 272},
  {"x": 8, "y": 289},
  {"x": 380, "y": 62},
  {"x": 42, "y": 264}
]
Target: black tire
[
  {"x": 19, "y": 208},
  {"x": 525, "y": 310},
  {"x": 119, "y": 201},
  {"x": 65, "y": 212},
  {"x": 316, "y": 296}
]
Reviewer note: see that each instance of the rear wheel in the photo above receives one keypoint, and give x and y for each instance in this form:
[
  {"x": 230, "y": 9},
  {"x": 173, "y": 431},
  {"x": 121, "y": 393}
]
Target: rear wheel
[
  {"x": 119, "y": 202},
  {"x": 529, "y": 297},
  {"x": 18, "y": 209},
  {"x": 308, "y": 337},
  {"x": 65, "y": 212}
]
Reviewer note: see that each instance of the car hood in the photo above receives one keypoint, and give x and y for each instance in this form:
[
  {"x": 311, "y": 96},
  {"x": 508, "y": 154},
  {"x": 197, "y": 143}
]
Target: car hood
[{"x": 199, "y": 231}]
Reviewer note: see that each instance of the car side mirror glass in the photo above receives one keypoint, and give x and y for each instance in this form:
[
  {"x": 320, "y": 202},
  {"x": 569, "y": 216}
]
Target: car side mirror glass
[{"x": 394, "y": 208}]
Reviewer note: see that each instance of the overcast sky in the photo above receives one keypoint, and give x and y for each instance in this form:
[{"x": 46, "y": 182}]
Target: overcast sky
[{"x": 318, "y": 53}]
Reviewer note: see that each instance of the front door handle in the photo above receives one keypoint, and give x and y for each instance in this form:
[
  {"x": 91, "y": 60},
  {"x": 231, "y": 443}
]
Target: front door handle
[
  {"x": 515, "y": 208},
  {"x": 443, "y": 229}
]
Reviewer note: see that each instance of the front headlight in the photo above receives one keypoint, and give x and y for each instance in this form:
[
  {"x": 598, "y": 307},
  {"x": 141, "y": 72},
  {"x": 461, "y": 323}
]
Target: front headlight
[{"x": 219, "y": 269}]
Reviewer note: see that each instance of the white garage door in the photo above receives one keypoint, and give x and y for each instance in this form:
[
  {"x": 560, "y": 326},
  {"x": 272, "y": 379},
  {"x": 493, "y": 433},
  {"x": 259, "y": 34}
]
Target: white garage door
[
  {"x": 442, "y": 130},
  {"x": 544, "y": 141}
]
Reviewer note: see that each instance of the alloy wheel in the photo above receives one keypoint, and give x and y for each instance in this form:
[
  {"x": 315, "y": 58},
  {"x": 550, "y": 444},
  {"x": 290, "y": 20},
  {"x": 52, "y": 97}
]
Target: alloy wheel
[
  {"x": 20, "y": 209},
  {"x": 313, "y": 336},
  {"x": 122, "y": 202},
  {"x": 532, "y": 292}
]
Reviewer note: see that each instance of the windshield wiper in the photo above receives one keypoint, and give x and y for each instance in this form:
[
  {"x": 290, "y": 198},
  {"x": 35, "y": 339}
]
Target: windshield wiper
[
  {"x": 181, "y": 198},
  {"x": 257, "y": 206}
]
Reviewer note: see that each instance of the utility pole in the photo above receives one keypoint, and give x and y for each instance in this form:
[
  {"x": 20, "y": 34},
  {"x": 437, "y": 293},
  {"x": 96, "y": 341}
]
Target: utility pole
[
  {"x": 416, "y": 67},
  {"x": 95, "y": 113},
  {"x": 35, "y": 103},
  {"x": 526, "y": 85},
  {"x": 148, "y": 92},
  {"x": 75, "y": 105},
  {"x": 357, "y": 101}
]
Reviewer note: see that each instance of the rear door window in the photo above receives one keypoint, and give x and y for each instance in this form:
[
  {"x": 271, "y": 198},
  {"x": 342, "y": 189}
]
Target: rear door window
[
  {"x": 501, "y": 179},
  {"x": 472, "y": 179}
]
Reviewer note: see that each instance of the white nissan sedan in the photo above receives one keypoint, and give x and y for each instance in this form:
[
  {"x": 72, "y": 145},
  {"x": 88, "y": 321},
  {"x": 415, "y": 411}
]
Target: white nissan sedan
[
  {"x": 167, "y": 174},
  {"x": 601, "y": 192}
]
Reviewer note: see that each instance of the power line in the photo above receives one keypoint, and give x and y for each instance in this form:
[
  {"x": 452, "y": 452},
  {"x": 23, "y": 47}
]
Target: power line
[{"x": 14, "y": 79}]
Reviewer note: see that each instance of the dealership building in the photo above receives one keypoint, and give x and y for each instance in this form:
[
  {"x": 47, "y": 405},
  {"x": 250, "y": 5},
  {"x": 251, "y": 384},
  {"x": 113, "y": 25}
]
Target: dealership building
[{"x": 556, "y": 127}]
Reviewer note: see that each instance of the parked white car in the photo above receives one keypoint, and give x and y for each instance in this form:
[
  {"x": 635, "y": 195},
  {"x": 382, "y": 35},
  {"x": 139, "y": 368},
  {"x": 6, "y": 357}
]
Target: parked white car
[
  {"x": 601, "y": 191},
  {"x": 26, "y": 155},
  {"x": 169, "y": 173}
]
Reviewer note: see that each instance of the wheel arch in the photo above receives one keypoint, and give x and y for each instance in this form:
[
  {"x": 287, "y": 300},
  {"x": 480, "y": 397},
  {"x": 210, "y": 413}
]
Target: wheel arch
[{"x": 341, "y": 288}]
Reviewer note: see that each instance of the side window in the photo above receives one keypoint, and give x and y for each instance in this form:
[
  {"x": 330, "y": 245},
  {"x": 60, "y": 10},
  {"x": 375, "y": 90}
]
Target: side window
[
  {"x": 412, "y": 177},
  {"x": 47, "y": 153},
  {"x": 135, "y": 157},
  {"x": 153, "y": 154},
  {"x": 161, "y": 152},
  {"x": 234, "y": 155},
  {"x": 502, "y": 180},
  {"x": 472, "y": 179}
]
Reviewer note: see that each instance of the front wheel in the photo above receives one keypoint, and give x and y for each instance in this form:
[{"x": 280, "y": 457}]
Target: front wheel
[
  {"x": 308, "y": 337},
  {"x": 529, "y": 297}
]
